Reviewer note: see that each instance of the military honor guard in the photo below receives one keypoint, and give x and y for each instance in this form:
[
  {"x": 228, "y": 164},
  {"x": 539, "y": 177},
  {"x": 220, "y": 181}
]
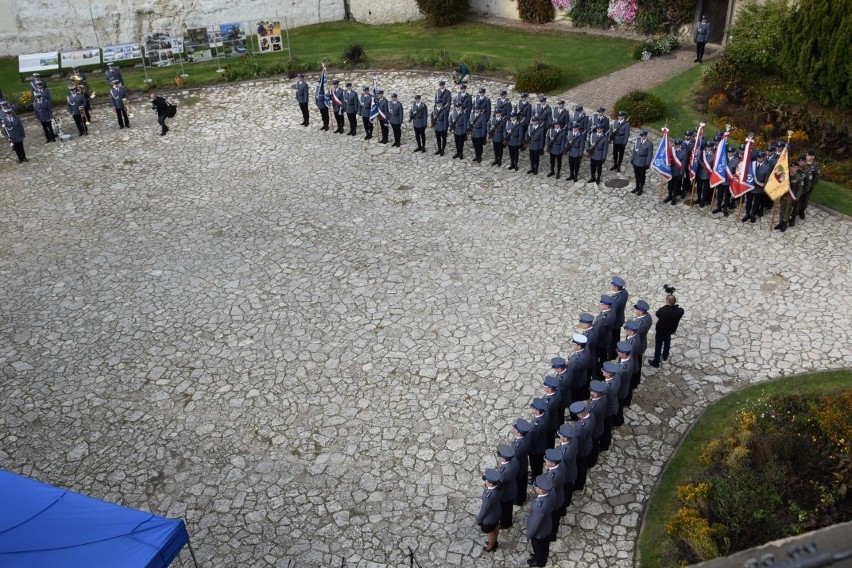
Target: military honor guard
[
  {"x": 514, "y": 137},
  {"x": 444, "y": 94},
  {"x": 496, "y": 132},
  {"x": 44, "y": 114},
  {"x": 544, "y": 112},
  {"x": 643, "y": 155},
  {"x": 440, "y": 124},
  {"x": 539, "y": 521},
  {"x": 322, "y": 106},
  {"x": 555, "y": 144},
  {"x": 579, "y": 116},
  {"x": 488, "y": 518},
  {"x": 503, "y": 104},
  {"x": 484, "y": 102},
  {"x": 810, "y": 172},
  {"x": 395, "y": 116},
  {"x": 788, "y": 201},
  {"x": 521, "y": 445},
  {"x": 464, "y": 100},
  {"x": 598, "y": 149},
  {"x": 535, "y": 143},
  {"x": 524, "y": 110},
  {"x": 351, "y": 106},
  {"x": 478, "y": 129},
  {"x": 575, "y": 145},
  {"x": 561, "y": 115},
  {"x": 13, "y": 131},
  {"x": 507, "y": 467},
  {"x": 337, "y": 103},
  {"x": 76, "y": 108},
  {"x": 418, "y": 117},
  {"x": 113, "y": 73},
  {"x": 382, "y": 104},
  {"x": 302, "y": 98},
  {"x": 365, "y": 105},
  {"x": 620, "y": 136},
  {"x": 118, "y": 99},
  {"x": 673, "y": 185}
]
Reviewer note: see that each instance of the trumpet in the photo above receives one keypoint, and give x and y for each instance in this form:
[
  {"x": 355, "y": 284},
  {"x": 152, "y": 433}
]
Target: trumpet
[{"x": 127, "y": 107}]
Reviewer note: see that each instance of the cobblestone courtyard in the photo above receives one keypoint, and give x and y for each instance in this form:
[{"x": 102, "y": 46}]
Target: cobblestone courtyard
[{"x": 308, "y": 346}]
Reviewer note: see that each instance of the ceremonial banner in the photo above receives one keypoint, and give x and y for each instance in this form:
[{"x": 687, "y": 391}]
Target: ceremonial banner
[
  {"x": 197, "y": 45},
  {"x": 38, "y": 62},
  {"x": 122, "y": 52},
  {"x": 662, "y": 161},
  {"x": 91, "y": 56},
  {"x": 696, "y": 150},
  {"x": 720, "y": 162},
  {"x": 743, "y": 180},
  {"x": 269, "y": 36},
  {"x": 779, "y": 180},
  {"x": 233, "y": 39}
]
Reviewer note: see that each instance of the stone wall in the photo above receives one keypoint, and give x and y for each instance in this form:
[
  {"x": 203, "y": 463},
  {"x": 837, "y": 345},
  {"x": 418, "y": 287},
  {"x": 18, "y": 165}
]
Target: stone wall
[
  {"x": 28, "y": 27},
  {"x": 499, "y": 8}
]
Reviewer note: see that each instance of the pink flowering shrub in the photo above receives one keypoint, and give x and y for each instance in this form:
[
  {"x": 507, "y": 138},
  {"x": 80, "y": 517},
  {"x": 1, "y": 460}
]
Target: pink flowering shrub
[{"x": 622, "y": 11}]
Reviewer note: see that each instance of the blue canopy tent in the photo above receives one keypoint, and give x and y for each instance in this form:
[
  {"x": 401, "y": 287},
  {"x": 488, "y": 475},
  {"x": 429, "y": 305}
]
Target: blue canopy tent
[{"x": 45, "y": 526}]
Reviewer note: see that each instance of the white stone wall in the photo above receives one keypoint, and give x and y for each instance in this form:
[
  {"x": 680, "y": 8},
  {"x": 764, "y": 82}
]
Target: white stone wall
[
  {"x": 384, "y": 11},
  {"x": 499, "y": 8}
]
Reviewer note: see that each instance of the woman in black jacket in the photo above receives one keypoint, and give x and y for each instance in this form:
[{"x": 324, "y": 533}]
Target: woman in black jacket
[{"x": 159, "y": 104}]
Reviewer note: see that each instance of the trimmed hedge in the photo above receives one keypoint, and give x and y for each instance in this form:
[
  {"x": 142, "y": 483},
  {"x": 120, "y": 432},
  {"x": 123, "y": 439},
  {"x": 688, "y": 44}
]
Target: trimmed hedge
[
  {"x": 641, "y": 106},
  {"x": 539, "y": 77},
  {"x": 536, "y": 11},
  {"x": 440, "y": 13}
]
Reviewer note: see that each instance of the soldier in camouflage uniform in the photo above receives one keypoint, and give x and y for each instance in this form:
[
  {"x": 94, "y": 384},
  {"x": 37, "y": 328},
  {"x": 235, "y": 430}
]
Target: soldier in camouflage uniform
[
  {"x": 810, "y": 173},
  {"x": 787, "y": 202}
]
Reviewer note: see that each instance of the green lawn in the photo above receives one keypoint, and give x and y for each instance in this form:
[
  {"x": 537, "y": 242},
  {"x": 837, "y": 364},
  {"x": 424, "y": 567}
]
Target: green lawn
[
  {"x": 677, "y": 92},
  {"x": 834, "y": 196},
  {"x": 655, "y": 549},
  {"x": 408, "y": 45}
]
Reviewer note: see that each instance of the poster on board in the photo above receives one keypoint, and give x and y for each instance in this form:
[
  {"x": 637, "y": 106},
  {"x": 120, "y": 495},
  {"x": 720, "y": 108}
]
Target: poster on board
[
  {"x": 233, "y": 39},
  {"x": 197, "y": 44},
  {"x": 161, "y": 49},
  {"x": 122, "y": 52},
  {"x": 38, "y": 62},
  {"x": 80, "y": 57},
  {"x": 268, "y": 36}
]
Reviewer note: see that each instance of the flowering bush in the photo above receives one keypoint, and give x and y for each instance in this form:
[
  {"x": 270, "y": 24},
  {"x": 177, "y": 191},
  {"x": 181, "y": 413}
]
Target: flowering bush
[
  {"x": 622, "y": 11},
  {"x": 563, "y": 4}
]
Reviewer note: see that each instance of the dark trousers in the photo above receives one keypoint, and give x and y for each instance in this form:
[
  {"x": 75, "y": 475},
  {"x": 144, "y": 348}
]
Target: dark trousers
[
  {"x": 324, "y": 115},
  {"x": 18, "y": 147},
  {"x": 569, "y": 494},
  {"x": 752, "y": 204},
  {"x": 478, "y": 145},
  {"x": 383, "y": 125},
  {"x": 521, "y": 482},
  {"x": 368, "y": 127},
  {"x": 540, "y": 551},
  {"x": 634, "y": 382},
  {"x": 441, "y": 140},
  {"x": 606, "y": 437},
  {"x": 724, "y": 201},
  {"x": 686, "y": 188},
  {"x": 81, "y": 124},
  {"x": 611, "y": 351},
  {"x": 601, "y": 355},
  {"x": 121, "y": 114},
  {"x": 554, "y": 522},
  {"x": 507, "y": 510},
  {"x": 593, "y": 456},
  {"x": 87, "y": 110},
  {"x": 353, "y": 122},
  {"x": 459, "y": 138},
  {"x": 662, "y": 344},
  {"x": 699, "y": 50},
  {"x": 514, "y": 153},
  {"x": 338, "y": 118},
  {"x": 556, "y": 159},
  {"x": 673, "y": 189},
  {"x": 397, "y": 133},
  {"x": 703, "y": 191},
  {"x": 48, "y": 131},
  {"x": 536, "y": 465},
  {"x": 305, "y": 115},
  {"x": 161, "y": 120},
  {"x": 420, "y": 135},
  {"x": 639, "y": 173},
  {"x": 618, "y": 155},
  {"x": 618, "y": 420},
  {"x": 574, "y": 166},
  {"x": 582, "y": 472},
  {"x": 498, "y": 153},
  {"x": 535, "y": 158},
  {"x": 597, "y": 167}
]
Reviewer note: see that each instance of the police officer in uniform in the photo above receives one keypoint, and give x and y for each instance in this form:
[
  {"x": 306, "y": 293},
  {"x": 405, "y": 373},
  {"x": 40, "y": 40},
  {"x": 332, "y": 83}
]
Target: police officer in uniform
[
  {"x": 440, "y": 123},
  {"x": 302, "y": 98},
  {"x": 444, "y": 94},
  {"x": 44, "y": 113},
  {"x": 514, "y": 136},
  {"x": 478, "y": 129},
  {"x": 598, "y": 149},
  {"x": 582, "y": 120},
  {"x": 688, "y": 148},
  {"x": 337, "y": 103},
  {"x": 702, "y": 34},
  {"x": 484, "y": 102},
  {"x": 568, "y": 446},
  {"x": 624, "y": 374},
  {"x": 463, "y": 99},
  {"x": 382, "y": 103},
  {"x": 597, "y": 407},
  {"x": 673, "y": 185},
  {"x": 620, "y": 136},
  {"x": 503, "y": 104},
  {"x": 724, "y": 200},
  {"x": 319, "y": 100},
  {"x": 601, "y": 119},
  {"x": 578, "y": 368},
  {"x": 754, "y": 198},
  {"x": 417, "y": 116},
  {"x": 557, "y": 475},
  {"x": 539, "y": 440},
  {"x": 544, "y": 112},
  {"x": 488, "y": 517},
  {"x": 459, "y": 126},
  {"x": 118, "y": 98},
  {"x": 555, "y": 409},
  {"x": 113, "y": 73},
  {"x": 497, "y": 131},
  {"x": 575, "y": 144},
  {"x": 76, "y": 108},
  {"x": 619, "y": 296},
  {"x": 539, "y": 523},
  {"x": 604, "y": 324},
  {"x": 395, "y": 115},
  {"x": 613, "y": 386},
  {"x": 703, "y": 175},
  {"x": 535, "y": 143},
  {"x": 643, "y": 155},
  {"x": 507, "y": 467},
  {"x": 524, "y": 110},
  {"x": 555, "y": 144},
  {"x": 351, "y": 106},
  {"x": 13, "y": 128},
  {"x": 591, "y": 333},
  {"x": 561, "y": 115},
  {"x": 41, "y": 89},
  {"x": 521, "y": 444},
  {"x": 366, "y": 106},
  {"x": 584, "y": 428}
]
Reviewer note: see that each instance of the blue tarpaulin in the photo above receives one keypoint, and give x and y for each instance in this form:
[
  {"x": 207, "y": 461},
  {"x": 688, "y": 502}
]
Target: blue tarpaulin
[{"x": 45, "y": 526}]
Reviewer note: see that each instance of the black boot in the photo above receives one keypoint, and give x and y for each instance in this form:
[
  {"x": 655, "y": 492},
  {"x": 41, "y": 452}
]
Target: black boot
[{"x": 792, "y": 222}]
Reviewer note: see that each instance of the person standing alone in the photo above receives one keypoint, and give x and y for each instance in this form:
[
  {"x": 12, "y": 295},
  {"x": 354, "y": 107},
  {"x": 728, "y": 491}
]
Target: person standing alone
[{"x": 702, "y": 34}]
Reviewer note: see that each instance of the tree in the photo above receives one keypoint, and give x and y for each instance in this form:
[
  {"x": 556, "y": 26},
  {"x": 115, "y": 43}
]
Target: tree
[
  {"x": 757, "y": 37},
  {"x": 441, "y": 13}
]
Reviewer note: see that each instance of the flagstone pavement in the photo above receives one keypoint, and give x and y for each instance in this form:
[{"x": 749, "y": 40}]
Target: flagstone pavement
[{"x": 308, "y": 345}]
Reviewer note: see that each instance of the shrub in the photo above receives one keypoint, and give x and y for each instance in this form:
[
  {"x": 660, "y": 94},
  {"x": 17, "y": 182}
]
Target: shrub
[
  {"x": 478, "y": 63},
  {"x": 838, "y": 172},
  {"x": 756, "y": 37},
  {"x": 590, "y": 14},
  {"x": 816, "y": 51},
  {"x": 440, "y": 13},
  {"x": 354, "y": 54},
  {"x": 246, "y": 67},
  {"x": 25, "y": 102},
  {"x": 540, "y": 77},
  {"x": 642, "y": 107},
  {"x": 535, "y": 11},
  {"x": 622, "y": 11},
  {"x": 655, "y": 16},
  {"x": 662, "y": 45}
]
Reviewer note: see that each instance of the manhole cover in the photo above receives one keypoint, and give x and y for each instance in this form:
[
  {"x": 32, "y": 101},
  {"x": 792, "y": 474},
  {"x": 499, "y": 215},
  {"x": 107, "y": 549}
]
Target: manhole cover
[{"x": 617, "y": 183}]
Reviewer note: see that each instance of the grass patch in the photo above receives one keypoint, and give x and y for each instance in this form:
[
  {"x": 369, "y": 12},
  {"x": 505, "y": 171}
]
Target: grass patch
[
  {"x": 834, "y": 196},
  {"x": 678, "y": 92},
  {"x": 655, "y": 547},
  {"x": 393, "y": 47}
]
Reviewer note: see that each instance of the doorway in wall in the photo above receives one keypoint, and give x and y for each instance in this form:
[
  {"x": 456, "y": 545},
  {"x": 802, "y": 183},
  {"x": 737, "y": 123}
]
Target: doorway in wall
[{"x": 717, "y": 14}]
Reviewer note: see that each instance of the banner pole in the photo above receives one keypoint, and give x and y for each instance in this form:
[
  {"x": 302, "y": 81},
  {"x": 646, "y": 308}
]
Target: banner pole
[
  {"x": 740, "y": 206},
  {"x": 692, "y": 192},
  {"x": 144, "y": 67},
  {"x": 661, "y": 190},
  {"x": 713, "y": 197}
]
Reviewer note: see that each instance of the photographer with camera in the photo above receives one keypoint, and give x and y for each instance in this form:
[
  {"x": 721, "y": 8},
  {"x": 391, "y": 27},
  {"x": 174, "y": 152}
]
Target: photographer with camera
[{"x": 668, "y": 318}]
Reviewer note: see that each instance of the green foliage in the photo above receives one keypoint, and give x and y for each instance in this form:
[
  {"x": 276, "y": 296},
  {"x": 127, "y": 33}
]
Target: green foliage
[
  {"x": 757, "y": 36},
  {"x": 438, "y": 61},
  {"x": 247, "y": 67},
  {"x": 590, "y": 14},
  {"x": 536, "y": 11},
  {"x": 440, "y": 13},
  {"x": 641, "y": 106},
  {"x": 662, "y": 45},
  {"x": 478, "y": 63},
  {"x": 539, "y": 77},
  {"x": 815, "y": 51},
  {"x": 354, "y": 54},
  {"x": 656, "y": 16}
]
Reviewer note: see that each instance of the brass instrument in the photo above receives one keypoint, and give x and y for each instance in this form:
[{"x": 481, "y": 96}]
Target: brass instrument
[{"x": 127, "y": 107}]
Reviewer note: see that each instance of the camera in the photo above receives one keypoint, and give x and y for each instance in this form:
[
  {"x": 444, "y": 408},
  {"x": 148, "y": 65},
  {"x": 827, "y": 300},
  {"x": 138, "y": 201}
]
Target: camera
[{"x": 668, "y": 289}]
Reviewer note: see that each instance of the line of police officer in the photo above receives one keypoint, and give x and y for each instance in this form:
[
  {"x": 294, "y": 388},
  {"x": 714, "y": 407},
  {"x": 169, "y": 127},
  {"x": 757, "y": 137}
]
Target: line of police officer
[{"x": 593, "y": 384}]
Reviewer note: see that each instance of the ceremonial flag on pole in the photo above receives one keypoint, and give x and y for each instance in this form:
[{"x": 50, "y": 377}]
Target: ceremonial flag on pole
[
  {"x": 743, "y": 180},
  {"x": 321, "y": 88},
  {"x": 720, "y": 162},
  {"x": 674, "y": 159},
  {"x": 375, "y": 111},
  {"x": 696, "y": 150},
  {"x": 779, "y": 180},
  {"x": 662, "y": 164}
]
